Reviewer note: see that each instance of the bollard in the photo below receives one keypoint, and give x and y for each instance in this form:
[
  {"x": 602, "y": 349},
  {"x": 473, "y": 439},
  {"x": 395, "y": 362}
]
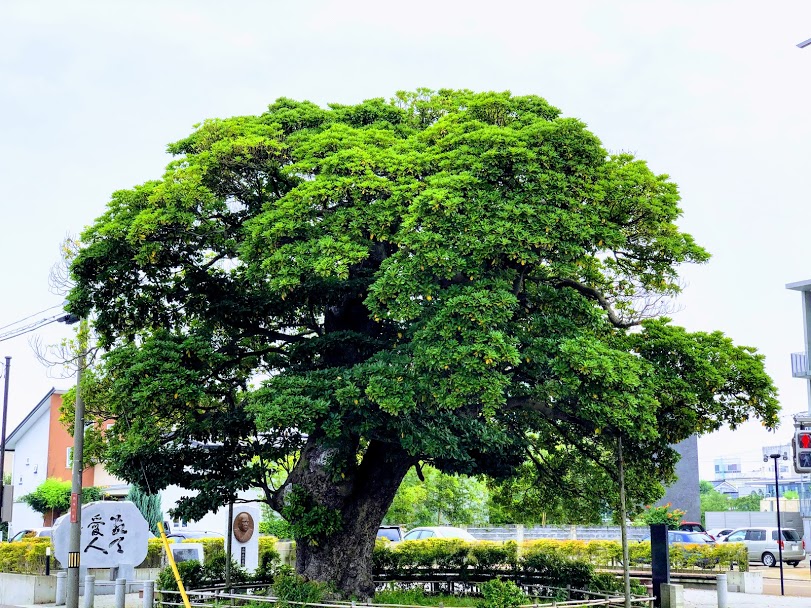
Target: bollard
[
  {"x": 61, "y": 581},
  {"x": 721, "y": 584},
  {"x": 89, "y": 590},
  {"x": 149, "y": 593},
  {"x": 120, "y": 592}
]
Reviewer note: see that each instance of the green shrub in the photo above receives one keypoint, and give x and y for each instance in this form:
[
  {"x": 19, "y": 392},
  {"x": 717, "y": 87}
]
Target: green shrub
[
  {"x": 277, "y": 527},
  {"x": 555, "y": 570},
  {"x": 269, "y": 559},
  {"x": 290, "y": 587},
  {"x": 487, "y": 555},
  {"x": 608, "y": 554},
  {"x": 154, "y": 554},
  {"x": 501, "y": 594},
  {"x": 612, "y": 584},
  {"x": 191, "y": 573},
  {"x": 408, "y": 556},
  {"x": 211, "y": 546},
  {"x": 417, "y": 597},
  {"x": 661, "y": 515},
  {"x": 26, "y": 556},
  {"x": 214, "y": 570}
]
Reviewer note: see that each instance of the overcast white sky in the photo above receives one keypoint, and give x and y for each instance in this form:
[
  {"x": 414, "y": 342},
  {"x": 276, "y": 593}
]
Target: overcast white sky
[{"x": 713, "y": 93}]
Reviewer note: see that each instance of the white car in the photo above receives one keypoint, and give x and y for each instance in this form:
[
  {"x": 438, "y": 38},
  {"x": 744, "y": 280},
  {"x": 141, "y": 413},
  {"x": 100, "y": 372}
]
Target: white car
[
  {"x": 424, "y": 532},
  {"x": 719, "y": 534},
  {"x": 31, "y": 533}
]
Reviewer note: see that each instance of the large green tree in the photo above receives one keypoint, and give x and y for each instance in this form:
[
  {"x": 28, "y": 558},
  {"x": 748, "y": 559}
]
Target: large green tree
[{"x": 450, "y": 277}]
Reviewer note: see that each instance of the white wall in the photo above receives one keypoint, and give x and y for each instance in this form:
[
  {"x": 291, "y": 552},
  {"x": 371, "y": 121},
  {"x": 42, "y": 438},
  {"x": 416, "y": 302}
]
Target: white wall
[
  {"x": 215, "y": 522},
  {"x": 29, "y": 470}
]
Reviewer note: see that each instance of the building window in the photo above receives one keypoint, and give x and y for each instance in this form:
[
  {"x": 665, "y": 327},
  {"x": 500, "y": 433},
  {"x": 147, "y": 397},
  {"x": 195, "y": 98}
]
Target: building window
[
  {"x": 734, "y": 468},
  {"x": 20, "y": 482},
  {"x": 69, "y": 458}
]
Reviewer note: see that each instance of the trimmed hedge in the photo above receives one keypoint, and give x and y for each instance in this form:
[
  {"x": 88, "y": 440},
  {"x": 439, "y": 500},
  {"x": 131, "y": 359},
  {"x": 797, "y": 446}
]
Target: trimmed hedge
[
  {"x": 410, "y": 557},
  {"x": 26, "y": 556}
]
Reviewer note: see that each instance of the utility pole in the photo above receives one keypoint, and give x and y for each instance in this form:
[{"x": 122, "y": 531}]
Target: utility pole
[
  {"x": 626, "y": 567},
  {"x": 75, "y": 538},
  {"x": 3, "y": 438}
]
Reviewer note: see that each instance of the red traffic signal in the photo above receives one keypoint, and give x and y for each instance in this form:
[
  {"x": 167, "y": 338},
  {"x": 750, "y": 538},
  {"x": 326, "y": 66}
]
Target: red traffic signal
[{"x": 804, "y": 441}]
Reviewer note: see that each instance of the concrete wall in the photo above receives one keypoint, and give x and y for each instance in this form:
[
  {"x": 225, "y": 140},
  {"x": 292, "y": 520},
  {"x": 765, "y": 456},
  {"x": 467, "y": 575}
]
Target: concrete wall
[
  {"x": 520, "y": 533},
  {"x": 748, "y": 519},
  {"x": 26, "y": 589},
  {"x": 684, "y": 494}
]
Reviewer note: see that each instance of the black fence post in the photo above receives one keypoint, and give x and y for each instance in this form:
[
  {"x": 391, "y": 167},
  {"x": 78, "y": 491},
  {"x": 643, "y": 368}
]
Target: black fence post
[{"x": 660, "y": 561}]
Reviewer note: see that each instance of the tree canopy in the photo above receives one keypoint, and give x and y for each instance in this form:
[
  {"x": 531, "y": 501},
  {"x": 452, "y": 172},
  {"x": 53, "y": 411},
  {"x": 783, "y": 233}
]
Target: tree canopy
[
  {"x": 52, "y": 497},
  {"x": 462, "y": 279}
]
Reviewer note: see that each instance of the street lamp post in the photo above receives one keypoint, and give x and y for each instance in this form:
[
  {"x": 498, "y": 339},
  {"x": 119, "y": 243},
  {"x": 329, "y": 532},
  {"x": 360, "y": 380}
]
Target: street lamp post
[
  {"x": 3, "y": 506},
  {"x": 75, "y": 538},
  {"x": 776, "y": 457}
]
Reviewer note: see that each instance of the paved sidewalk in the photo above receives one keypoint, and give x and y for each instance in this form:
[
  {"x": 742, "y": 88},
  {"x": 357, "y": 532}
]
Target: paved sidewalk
[
  {"x": 100, "y": 601},
  {"x": 699, "y": 598}
]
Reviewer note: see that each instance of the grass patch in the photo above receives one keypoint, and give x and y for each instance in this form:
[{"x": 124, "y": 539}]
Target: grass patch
[{"x": 417, "y": 597}]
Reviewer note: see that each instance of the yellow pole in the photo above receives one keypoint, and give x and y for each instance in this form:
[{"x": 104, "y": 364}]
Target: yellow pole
[{"x": 172, "y": 563}]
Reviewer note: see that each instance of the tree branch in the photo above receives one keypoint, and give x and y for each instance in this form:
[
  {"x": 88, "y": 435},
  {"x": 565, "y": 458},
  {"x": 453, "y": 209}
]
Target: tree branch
[{"x": 593, "y": 294}]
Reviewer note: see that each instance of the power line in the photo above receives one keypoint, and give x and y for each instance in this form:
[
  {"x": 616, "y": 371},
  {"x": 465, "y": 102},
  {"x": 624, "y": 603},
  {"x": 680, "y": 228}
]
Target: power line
[
  {"x": 29, "y": 328},
  {"x": 32, "y": 316}
]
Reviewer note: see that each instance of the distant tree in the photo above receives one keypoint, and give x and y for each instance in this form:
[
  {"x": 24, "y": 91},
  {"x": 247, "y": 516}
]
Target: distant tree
[
  {"x": 438, "y": 499},
  {"x": 149, "y": 505},
  {"x": 714, "y": 501},
  {"x": 52, "y": 497},
  {"x": 747, "y": 503},
  {"x": 705, "y": 486},
  {"x": 585, "y": 492}
]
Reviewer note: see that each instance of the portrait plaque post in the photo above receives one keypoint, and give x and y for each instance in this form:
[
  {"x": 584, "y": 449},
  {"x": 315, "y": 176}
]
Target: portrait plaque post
[{"x": 245, "y": 536}]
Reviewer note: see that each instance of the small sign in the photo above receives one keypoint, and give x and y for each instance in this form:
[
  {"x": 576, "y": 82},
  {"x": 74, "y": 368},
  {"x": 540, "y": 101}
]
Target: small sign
[
  {"x": 242, "y": 552},
  {"x": 185, "y": 552},
  {"x": 74, "y": 508}
]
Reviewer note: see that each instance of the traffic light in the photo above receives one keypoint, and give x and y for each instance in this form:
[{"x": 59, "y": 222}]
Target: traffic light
[{"x": 802, "y": 450}]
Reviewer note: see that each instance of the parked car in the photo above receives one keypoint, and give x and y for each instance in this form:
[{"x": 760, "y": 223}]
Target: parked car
[
  {"x": 424, "y": 532},
  {"x": 691, "y": 526},
  {"x": 681, "y": 537},
  {"x": 182, "y": 534},
  {"x": 719, "y": 534},
  {"x": 31, "y": 533},
  {"x": 392, "y": 533},
  {"x": 764, "y": 546}
]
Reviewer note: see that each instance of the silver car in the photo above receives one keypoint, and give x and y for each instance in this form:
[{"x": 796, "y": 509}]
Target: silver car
[{"x": 762, "y": 545}]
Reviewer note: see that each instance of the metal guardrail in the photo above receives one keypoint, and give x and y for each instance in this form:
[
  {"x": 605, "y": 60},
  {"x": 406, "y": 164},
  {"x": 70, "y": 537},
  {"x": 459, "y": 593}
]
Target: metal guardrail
[{"x": 205, "y": 598}]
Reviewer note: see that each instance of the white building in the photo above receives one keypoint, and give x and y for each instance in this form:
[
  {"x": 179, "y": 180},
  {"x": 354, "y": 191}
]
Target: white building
[{"x": 42, "y": 449}]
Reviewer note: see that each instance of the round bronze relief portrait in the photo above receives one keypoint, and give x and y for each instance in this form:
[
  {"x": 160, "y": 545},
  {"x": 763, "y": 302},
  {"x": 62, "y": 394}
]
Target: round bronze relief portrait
[{"x": 243, "y": 527}]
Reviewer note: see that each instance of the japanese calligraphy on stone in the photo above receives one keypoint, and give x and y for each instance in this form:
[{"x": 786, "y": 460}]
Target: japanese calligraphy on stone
[{"x": 112, "y": 533}]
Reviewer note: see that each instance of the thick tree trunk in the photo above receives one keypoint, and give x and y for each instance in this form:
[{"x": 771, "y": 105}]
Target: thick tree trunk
[{"x": 362, "y": 497}]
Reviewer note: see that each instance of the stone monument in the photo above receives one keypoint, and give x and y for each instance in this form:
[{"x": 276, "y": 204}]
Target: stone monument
[
  {"x": 245, "y": 537},
  {"x": 114, "y": 535}
]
